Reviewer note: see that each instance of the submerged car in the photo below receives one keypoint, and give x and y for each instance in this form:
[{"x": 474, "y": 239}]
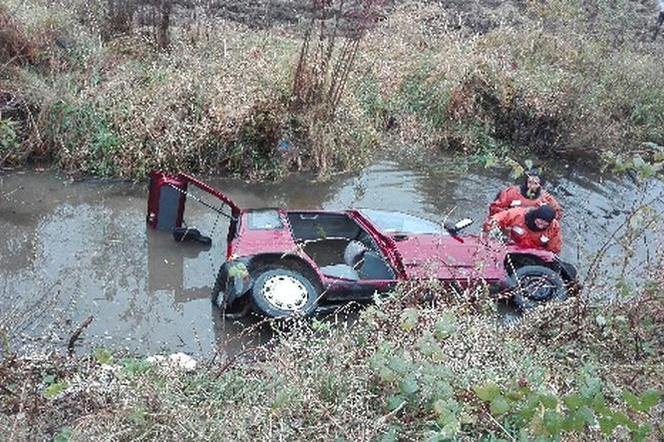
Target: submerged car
[{"x": 281, "y": 262}]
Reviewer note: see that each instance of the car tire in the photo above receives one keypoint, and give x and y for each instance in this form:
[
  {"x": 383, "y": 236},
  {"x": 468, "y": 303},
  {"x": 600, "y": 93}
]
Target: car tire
[
  {"x": 279, "y": 292},
  {"x": 534, "y": 285}
]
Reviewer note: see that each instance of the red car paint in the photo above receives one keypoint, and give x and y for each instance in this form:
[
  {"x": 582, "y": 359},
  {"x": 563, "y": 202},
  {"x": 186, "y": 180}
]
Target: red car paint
[{"x": 465, "y": 260}]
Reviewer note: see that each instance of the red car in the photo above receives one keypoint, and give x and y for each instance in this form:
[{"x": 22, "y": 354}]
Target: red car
[{"x": 282, "y": 262}]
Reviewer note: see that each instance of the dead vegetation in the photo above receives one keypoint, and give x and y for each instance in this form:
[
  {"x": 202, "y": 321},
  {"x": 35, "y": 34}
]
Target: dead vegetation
[
  {"x": 408, "y": 369},
  {"x": 260, "y": 89}
]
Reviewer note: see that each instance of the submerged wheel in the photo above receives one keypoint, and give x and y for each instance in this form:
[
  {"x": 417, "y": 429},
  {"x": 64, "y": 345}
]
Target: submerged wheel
[
  {"x": 534, "y": 285},
  {"x": 280, "y": 292}
]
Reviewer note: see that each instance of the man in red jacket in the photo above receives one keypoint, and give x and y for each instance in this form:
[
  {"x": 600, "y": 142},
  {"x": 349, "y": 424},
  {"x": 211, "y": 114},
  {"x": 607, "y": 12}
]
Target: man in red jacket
[
  {"x": 534, "y": 227},
  {"x": 529, "y": 194}
]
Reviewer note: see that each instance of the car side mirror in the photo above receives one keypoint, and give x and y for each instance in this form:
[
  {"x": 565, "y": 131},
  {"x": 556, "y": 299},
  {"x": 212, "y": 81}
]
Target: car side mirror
[{"x": 455, "y": 228}]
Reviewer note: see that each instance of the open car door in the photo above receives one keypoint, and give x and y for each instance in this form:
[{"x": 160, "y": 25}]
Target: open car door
[{"x": 167, "y": 197}]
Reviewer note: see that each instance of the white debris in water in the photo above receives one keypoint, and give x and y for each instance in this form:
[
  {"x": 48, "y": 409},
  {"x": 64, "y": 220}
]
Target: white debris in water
[{"x": 179, "y": 360}]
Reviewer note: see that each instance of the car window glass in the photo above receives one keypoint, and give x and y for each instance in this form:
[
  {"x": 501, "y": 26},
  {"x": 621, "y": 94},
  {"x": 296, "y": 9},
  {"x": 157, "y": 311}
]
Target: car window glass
[
  {"x": 264, "y": 220},
  {"x": 391, "y": 222}
]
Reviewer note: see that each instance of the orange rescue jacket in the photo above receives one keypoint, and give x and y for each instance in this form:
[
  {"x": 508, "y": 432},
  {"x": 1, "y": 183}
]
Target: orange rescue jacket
[
  {"x": 514, "y": 222},
  {"x": 512, "y": 197}
]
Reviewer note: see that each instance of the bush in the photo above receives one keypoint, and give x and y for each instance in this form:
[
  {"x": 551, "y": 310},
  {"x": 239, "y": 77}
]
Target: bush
[
  {"x": 437, "y": 371},
  {"x": 555, "y": 79}
]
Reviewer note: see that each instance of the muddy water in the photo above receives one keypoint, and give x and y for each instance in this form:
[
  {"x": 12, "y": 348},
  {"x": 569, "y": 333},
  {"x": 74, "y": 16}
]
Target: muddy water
[{"x": 71, "y": 250}]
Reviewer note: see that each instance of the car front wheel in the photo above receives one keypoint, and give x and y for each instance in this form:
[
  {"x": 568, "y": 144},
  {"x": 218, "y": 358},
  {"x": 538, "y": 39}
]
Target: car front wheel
[
  {"x": 534, "y": 285},
  {"x": 279, "y": 292}
]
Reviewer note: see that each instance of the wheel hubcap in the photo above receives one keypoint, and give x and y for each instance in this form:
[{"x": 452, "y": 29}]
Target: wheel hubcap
[{"x": 285, "y": 292}]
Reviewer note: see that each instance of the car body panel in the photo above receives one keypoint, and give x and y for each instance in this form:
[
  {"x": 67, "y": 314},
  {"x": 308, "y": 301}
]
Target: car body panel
[
  {"x": 450, "y": 258},
  {"x": 251, "y": 241}
]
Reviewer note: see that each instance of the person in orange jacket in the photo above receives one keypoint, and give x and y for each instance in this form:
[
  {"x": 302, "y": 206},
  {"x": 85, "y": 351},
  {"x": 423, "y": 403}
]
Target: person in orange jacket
[
  {"x": 529, "y": 194},
  {"x": 529, "y": 227}
]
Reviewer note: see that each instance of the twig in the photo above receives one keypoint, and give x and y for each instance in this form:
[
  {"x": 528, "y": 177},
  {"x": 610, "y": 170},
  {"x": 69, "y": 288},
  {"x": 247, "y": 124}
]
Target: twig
[
  {"x": 7, "y": 391},
  {"x": 592, "y": 269},
  {"x": 74, "y": 337},
  {"x": 501, "y": 427},
  {"x": 392, "y": 413},
  {"x": 7, "y": 194},
  {"x": 230, "y": 361}
]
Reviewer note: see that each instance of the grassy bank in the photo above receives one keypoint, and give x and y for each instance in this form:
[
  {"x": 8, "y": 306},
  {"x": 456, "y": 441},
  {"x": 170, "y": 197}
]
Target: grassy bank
[
  {"x": 102, "y": 98},
  {"x": 405, "y": 370}
]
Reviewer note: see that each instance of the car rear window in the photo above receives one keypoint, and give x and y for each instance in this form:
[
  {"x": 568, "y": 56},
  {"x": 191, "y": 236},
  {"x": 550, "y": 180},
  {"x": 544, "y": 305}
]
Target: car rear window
[{"x": 264, "y": 220}]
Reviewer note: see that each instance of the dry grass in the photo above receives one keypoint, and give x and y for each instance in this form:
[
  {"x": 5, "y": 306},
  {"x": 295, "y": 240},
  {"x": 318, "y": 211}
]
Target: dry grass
[
  {"x": 388, "y": 372},
  {"x": 553, "y": 79},
  {"x": 547, "y": 87}
]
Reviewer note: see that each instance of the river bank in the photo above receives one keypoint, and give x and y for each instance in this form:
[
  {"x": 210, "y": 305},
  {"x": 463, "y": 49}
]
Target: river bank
[
  {"x": 403, "y": 370},
  {"x": 493, "y": 80}
]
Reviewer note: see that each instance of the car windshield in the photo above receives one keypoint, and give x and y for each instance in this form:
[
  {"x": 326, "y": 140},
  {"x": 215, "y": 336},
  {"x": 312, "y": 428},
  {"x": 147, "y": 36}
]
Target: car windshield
[{"x": 393, "y": 222}]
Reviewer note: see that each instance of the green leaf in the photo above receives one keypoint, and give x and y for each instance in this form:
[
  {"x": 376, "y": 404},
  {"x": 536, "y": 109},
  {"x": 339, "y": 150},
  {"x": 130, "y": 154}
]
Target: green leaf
[
  {"x": 548, "y": 400},
  {"x": 48, "y": 379},
  {"x": 624, "y": 420},
  {"x": 649, "y": 399},
  {"x": 136, "y": 366},
  {"x": 529, "y": 164},
  {"x": 641, "y": 432},
  {"x": 631, "y": 399},
  {"x": 516, "y": 394},
  {"x": 399, "y": 365},
  {"x": 574, "y": 401},
  {"x": 638, "y": 161},
  {"x": 64, "y": 435},
  {"x": 409, "y": 319},
  {"x": 427, "y": 345},
  {"x": 138, "y": 417},
  {"x": 607, "y": 425},
  {"x": 55, "y": 389},
  {"x": 451, "y": 427},
  {"x": 552, "y": 421},
  {"x": 487, "y": 392},
  {"x": 573, "y": 422},
  {"x": 587, "y": 415},
  {"x": 599, "y": 405},
  {"x": 387, "y": 375},
  {"x": 445, "y": 327},
  {"x": 591, "y": 387},
  {"x": 103, "y": 356},
  {"x": 446, "y": 410},
  {"x": 408, "y": 385},
  {"x": 389, "y": 436},
  {"x": 600, "y": 321},
  {"x": 499, "y": 406},
  {"x": 443, "y": 390}
]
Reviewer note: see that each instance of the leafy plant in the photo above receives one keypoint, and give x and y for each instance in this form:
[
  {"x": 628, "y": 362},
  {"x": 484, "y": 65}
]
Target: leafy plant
[{"x": 103, "y": 356}]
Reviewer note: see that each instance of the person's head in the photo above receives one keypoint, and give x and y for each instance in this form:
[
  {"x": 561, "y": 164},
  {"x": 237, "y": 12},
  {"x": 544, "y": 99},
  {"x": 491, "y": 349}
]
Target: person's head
[
  {"x": 532, "y": 184},
  {"x": 533, "y": 180},
  {"x": 540, "y": 218}
]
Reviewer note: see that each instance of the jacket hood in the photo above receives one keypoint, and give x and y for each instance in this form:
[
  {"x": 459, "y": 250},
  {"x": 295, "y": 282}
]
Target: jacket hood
[{"x": 544, "y": 212}]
